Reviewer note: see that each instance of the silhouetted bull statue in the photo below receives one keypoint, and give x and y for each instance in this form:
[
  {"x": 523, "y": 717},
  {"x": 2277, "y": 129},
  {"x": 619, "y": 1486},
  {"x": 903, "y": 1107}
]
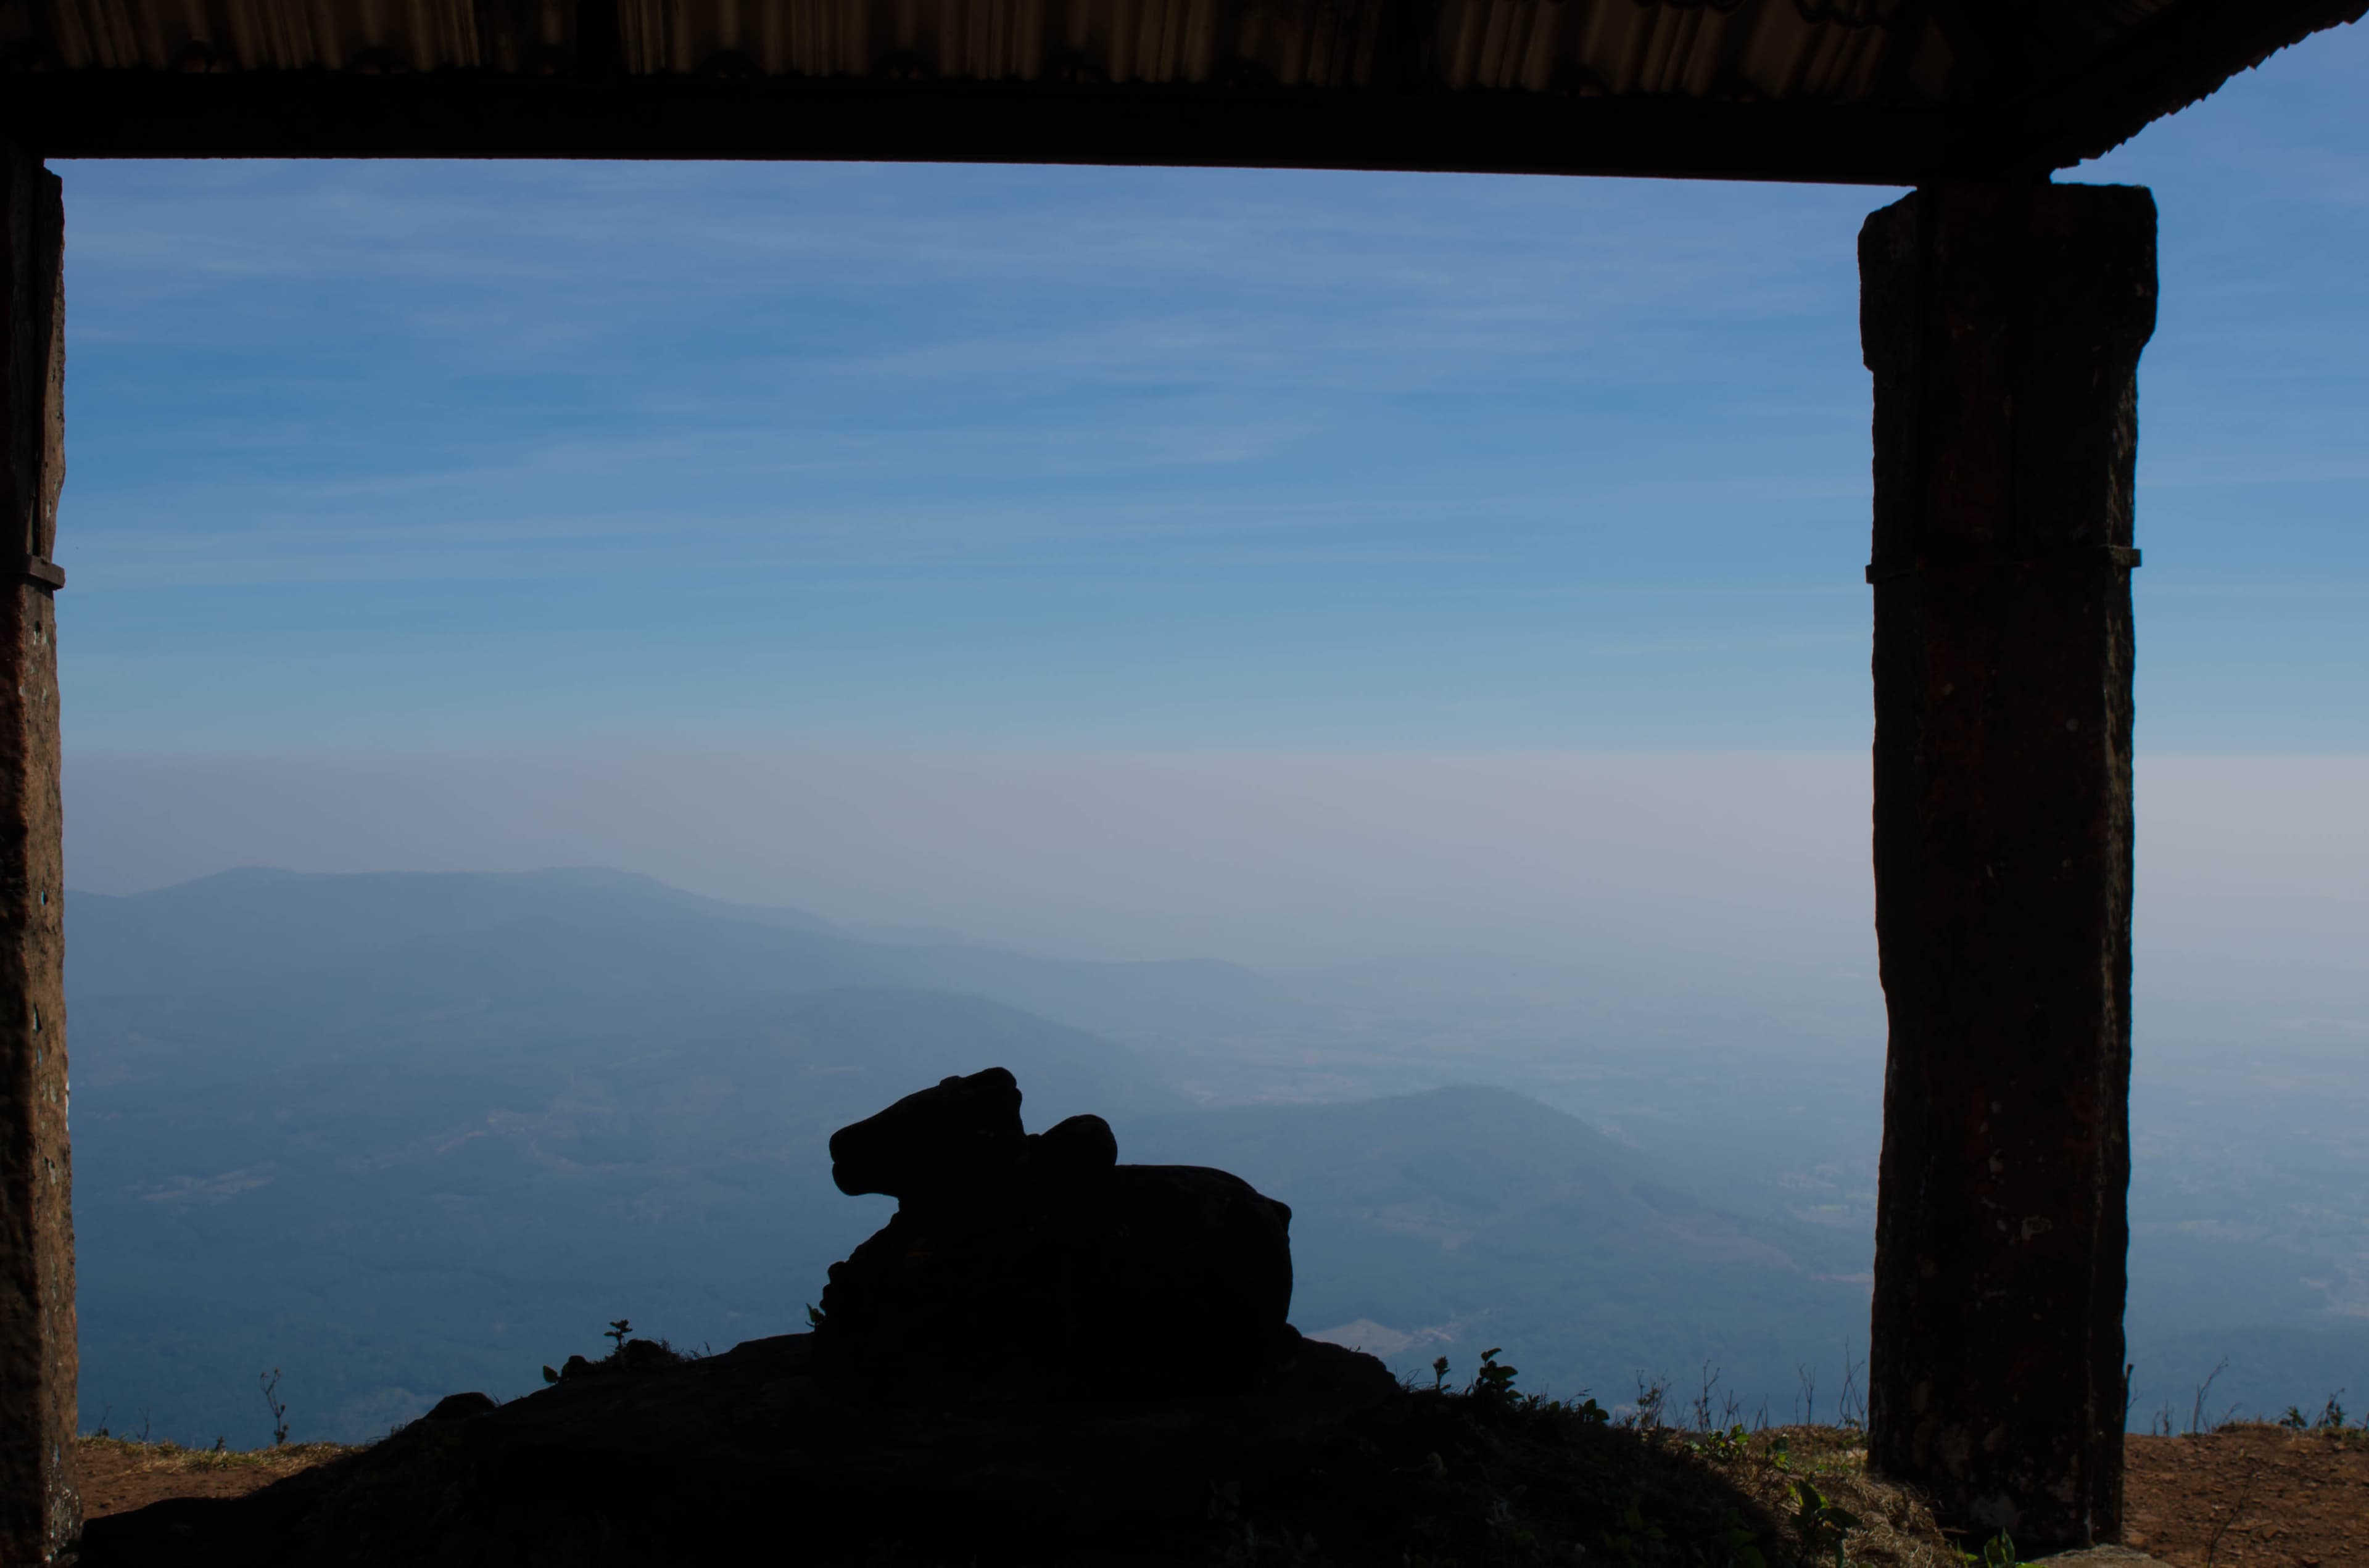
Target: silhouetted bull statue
[{"x": 1024, "y": 1266}]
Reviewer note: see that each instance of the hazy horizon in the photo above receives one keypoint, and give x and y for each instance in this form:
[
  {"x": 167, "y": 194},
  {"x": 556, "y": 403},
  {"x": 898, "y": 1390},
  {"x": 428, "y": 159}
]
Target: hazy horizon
[{"x": 2253, "y": 873}]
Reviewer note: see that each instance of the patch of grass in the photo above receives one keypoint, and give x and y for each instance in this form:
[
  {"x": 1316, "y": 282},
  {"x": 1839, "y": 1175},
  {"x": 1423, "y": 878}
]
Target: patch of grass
[
  {"x": 1817, "y": 1477},
  {"x": 1485, "y": 1476},
  {"x": 2329, "y": 1419},
  {"x": 286, "y": 1458}
]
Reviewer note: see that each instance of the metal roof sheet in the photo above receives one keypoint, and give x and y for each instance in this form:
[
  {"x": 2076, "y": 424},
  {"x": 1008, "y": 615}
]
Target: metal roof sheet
[{"x": 1887, "y": 88}]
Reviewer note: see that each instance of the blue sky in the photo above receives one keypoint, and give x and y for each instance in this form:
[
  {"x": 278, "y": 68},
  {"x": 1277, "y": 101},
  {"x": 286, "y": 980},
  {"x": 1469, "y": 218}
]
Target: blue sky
[
  {"x": 1270, "y": 565},
  {"x": 404, "y": 457}
]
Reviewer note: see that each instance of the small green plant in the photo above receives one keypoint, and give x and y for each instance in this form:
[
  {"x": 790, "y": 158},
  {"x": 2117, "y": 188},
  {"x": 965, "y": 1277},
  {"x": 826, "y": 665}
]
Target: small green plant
[
  {"x": 1780, "y": 1452},
  {"x": 1742, "y": 1546},
  {"x": 1493, "y": 1383},
  {"x": 2294, "y": 1419},
  {"x": 1727, "y": 1445},
  {"x": 1439, "y": 1376},
  {"x": 1821, "y": 1524},
  {"x": 1997, "y": 1553},
  {"x": 1639, "y": 1539},
  {"x": 616, "y": 1333},
  {"x": 2331, "y": 1414}
]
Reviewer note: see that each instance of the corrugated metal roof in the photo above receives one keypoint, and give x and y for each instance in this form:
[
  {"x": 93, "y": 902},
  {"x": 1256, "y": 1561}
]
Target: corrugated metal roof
[
  {"x": 1760, "y": 50},
  {"x": 2037, "y": 80}
]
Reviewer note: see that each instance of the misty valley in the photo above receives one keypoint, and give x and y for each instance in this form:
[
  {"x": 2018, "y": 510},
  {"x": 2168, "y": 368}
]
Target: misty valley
[{"x": 403, "y": 1134}]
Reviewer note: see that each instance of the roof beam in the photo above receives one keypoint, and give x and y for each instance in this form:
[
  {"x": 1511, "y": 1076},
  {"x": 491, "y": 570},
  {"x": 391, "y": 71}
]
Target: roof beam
[
  {"x": 2006, "y": 119},
  {"x": 484, "y": 114}
]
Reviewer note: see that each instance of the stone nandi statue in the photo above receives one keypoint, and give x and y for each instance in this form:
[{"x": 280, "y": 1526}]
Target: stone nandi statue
[{"x": 1035, "y": 1266}]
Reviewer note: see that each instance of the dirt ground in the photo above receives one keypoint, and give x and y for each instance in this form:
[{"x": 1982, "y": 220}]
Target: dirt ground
[
  {"x": 116, "y": 1476},
  {"x": 2250, "y": 1497},
  {"x": 2242, "y": 1497}
]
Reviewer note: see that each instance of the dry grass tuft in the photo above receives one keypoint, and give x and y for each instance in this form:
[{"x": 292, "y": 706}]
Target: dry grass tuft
[{"x": 1896, "y": 1530}]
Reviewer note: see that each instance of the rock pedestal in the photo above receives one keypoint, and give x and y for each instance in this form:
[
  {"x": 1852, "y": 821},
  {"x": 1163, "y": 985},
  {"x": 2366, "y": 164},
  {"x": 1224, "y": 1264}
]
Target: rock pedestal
[{"x": 749, "y": 1456}]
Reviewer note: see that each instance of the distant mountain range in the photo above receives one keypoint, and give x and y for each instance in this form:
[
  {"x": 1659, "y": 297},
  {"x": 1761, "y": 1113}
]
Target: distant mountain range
[
  {"x": 587, "y": 940},
  {"x": 1445, "y": 1222},
  {"x": 399, "y": 1135},
  {"x": 402, "y": 1135}
]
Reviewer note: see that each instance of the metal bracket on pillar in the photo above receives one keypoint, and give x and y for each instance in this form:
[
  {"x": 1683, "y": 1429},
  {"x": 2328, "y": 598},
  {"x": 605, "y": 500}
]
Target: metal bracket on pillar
[
  {"x": 42, "y": 572},
  {"x": 2122, "y": 555}
]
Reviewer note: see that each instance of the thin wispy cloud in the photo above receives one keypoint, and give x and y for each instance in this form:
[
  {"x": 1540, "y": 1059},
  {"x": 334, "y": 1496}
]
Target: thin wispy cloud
[{"x": 1083, "y": 453}]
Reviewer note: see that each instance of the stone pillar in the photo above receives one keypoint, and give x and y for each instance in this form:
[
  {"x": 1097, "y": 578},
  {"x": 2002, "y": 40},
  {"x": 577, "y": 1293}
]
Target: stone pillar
[
  {"x": 2003, "y": 324},
  {"x": 40, "y": 1519}
]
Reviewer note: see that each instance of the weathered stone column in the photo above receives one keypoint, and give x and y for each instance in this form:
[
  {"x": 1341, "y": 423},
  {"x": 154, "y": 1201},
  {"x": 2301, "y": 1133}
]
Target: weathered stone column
[
  {"x": 2003, "y": 326},
  {"x": 40, "y": 1517}
]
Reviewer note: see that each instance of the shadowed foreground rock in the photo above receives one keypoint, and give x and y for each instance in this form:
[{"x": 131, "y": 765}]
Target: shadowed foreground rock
[
  {"x": 709, "y": 1459},
  {"x": 747, "y": 1458},
  {"x": 1046, "y": 1354}
]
